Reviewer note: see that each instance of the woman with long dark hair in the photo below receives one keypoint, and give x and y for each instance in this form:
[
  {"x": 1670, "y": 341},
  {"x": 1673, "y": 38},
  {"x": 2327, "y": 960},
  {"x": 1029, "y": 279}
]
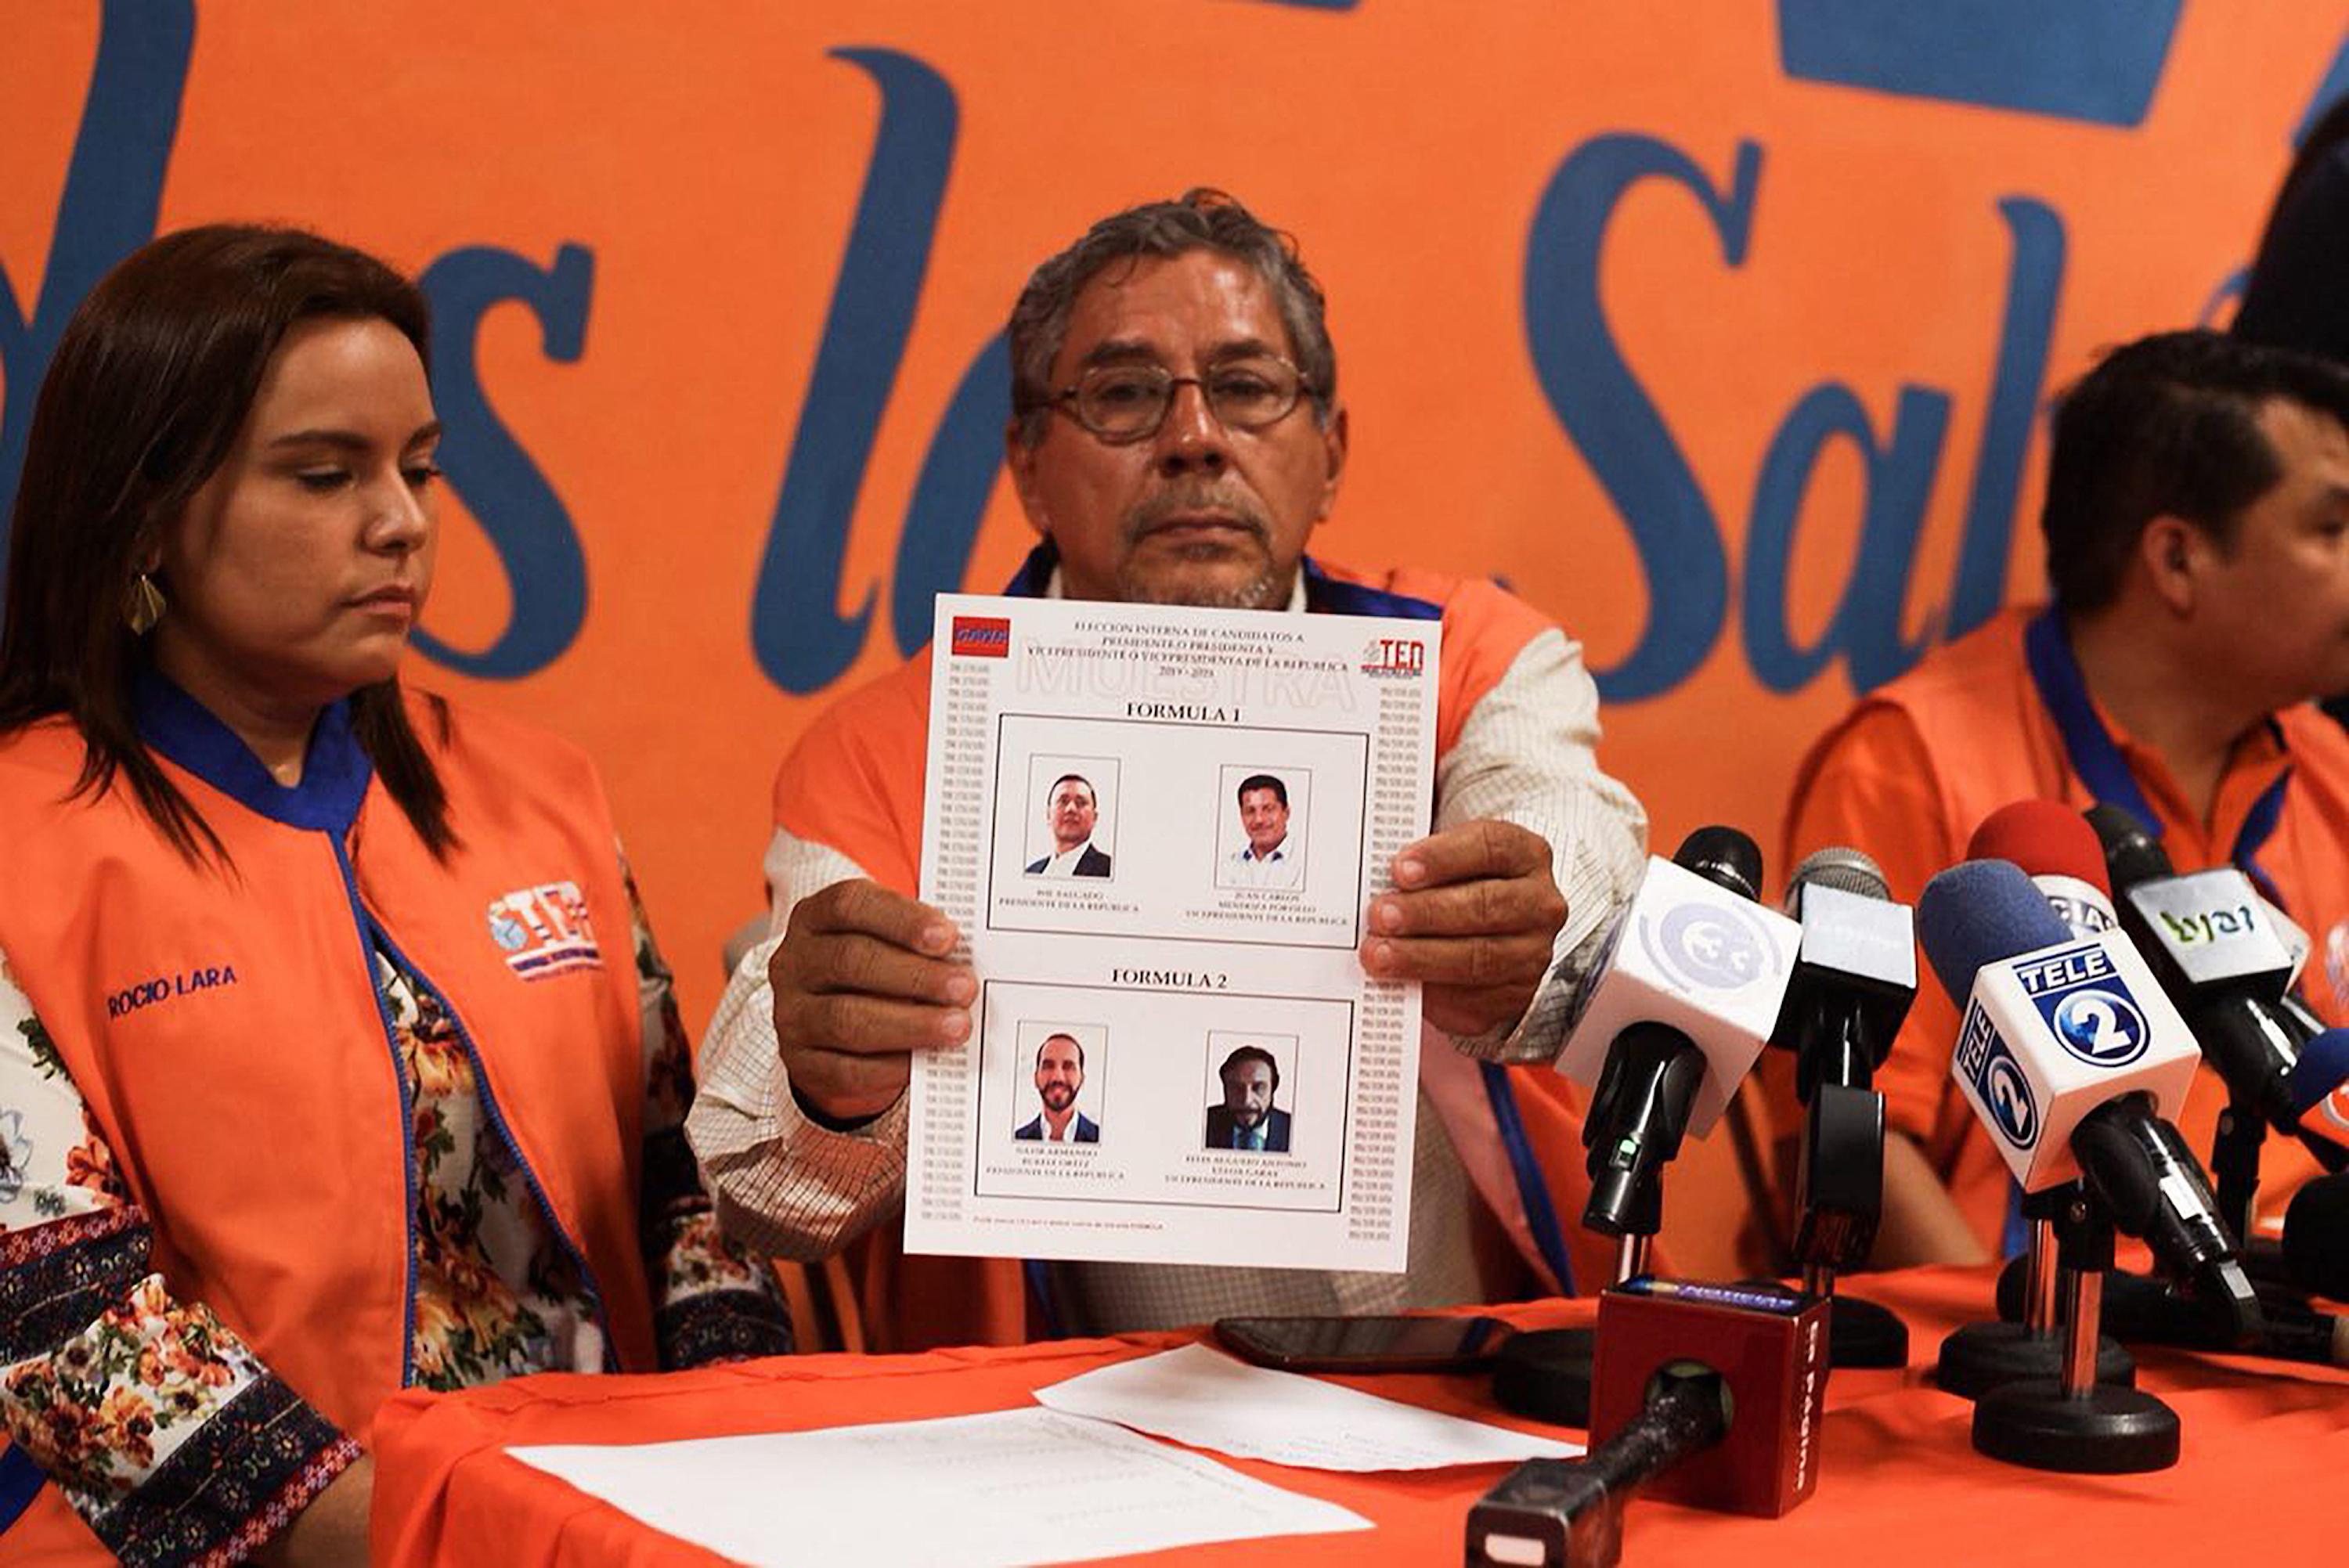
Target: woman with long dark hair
[{"x": 335, "y": 1054}]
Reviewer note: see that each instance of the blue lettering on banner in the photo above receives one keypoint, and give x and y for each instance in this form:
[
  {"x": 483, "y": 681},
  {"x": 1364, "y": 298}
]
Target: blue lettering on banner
[
  {"x": 2094, "y": 60},
  {"x": 545, "y": 569},
  {"x": 2330, "y": 91},
  {"x": 2098, "y": 61},
  {"x": 801, "y": 640},
  {"x": 1607, "y": 414},
  {"x": 1616, "y": 426},
  {"x": 114, "y": 188}
]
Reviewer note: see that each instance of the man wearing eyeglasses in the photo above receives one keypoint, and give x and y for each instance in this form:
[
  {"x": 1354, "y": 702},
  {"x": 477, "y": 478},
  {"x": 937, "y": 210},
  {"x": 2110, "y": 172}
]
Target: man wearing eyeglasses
[{"x": 1177, "y": 435}]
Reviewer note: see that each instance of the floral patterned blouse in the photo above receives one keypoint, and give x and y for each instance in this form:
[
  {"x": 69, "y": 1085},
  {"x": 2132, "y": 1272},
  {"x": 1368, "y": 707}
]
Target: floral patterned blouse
[{"x": 169, "y": 1437}]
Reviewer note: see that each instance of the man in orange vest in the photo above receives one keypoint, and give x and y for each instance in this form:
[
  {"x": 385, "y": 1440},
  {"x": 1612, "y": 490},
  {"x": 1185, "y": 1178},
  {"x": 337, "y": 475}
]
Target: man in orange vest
[
  {"x": 2197, "y": 524},
  {"x": 1176, "y": 436}
]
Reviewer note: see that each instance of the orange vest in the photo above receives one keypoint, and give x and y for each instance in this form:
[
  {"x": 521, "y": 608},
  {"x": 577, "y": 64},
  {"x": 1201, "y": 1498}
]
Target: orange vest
[
  {"x": 1978, "y": 736},
  {"x": 854, "y": 784},
  {"x": 224, "y": 1029}
]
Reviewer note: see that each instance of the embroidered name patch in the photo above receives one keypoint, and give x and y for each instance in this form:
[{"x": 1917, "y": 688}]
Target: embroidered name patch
[
  {"x": 544, "y": 931},
  {"x": 166, "y": 987}
]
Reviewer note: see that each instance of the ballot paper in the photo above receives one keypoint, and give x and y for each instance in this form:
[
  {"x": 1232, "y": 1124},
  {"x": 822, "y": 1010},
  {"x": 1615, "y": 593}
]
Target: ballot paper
[
  {"x": 1201, "y": 1396},
  {"x": 995, "y": 1491},
  {"x": 1158, "y": 830}
]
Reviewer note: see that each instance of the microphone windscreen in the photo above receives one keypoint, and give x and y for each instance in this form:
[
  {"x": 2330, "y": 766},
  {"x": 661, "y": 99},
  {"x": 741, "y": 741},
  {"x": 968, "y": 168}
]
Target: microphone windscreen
[
  {"x": 1838, "y": 867},
  {"x": 2044, "y": 838},
  {"x": 2316, "y": 1237},
  {"x": 1725, "y": 857},
  {"x": 1978, "y": 913},
  {"x": 2323, "y": 1066},
  {"x": 2132, "y": 855}
]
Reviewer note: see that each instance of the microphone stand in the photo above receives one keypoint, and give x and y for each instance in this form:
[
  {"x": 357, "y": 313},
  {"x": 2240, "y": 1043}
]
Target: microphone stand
[
  {"x": 2235, "y": 1161},
  {"x": 2073, "y": 1422},
  {"x": 1840, "y": 1188},
  {"x": 1981, "y": 1357},
  {"x": 1543, "y": 1374}
]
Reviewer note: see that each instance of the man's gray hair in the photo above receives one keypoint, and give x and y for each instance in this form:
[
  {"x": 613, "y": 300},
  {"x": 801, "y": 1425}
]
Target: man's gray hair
[{"x": 1199, "y": 219}]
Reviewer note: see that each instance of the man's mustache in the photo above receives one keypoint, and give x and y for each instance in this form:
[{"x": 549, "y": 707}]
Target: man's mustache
[{"x": 1156, "y": 510}]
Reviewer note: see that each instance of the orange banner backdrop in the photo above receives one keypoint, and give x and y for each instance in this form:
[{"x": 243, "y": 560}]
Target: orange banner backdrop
[{"x": 1719, "y": 331}]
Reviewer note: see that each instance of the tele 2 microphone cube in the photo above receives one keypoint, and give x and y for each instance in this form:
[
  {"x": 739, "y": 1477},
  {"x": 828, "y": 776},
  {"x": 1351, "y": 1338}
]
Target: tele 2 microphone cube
[
  {"x": 1695, "y": 957},
  {"x": 2050, "y": 1034}
]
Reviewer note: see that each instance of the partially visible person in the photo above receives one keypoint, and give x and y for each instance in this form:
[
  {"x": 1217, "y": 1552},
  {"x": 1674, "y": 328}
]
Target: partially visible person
[
  {"x": 1246, "y": 1118},
  {"x": 1060, "y": 1078},
  {"x": 1072, "y": 810},
  {"x": 2197, "y": 526},
  {"x": 2296, "y": 295},
  {"x": 335, "y": 1056},
  {"x": 1176, "y": 436},
  {"x": 1267, "y": 859}
]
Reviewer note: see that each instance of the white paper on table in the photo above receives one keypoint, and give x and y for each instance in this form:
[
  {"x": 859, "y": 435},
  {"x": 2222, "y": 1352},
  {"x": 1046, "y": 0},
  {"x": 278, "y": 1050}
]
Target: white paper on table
[
  {"x": 995, "y": 1491},
  {"x": 1167, "y": 952},
  {"x": 1202, "y": 1397}
]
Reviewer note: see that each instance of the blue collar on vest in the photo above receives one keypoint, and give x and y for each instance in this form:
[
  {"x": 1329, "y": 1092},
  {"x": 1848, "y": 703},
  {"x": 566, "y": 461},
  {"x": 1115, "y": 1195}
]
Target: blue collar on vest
[
  {"x": 2096, "y": 758},
  {"x": 334, "y": 771},
  {"x": 1324, "y": 594}
]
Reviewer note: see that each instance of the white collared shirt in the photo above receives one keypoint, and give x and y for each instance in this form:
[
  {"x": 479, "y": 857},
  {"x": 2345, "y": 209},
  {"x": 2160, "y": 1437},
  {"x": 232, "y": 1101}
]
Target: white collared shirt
[
  {"x": 1276, "y": 869},
  {"x": 1064, "y": 864}
]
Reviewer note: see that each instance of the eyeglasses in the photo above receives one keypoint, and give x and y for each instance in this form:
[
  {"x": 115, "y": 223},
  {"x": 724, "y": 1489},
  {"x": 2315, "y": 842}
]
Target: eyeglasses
[{"x": 1121, "y": 403}]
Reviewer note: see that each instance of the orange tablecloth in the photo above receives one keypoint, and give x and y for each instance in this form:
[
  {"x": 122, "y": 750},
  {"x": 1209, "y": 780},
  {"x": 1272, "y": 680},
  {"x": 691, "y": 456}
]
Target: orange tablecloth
[{"x": 2265, "y": 1445}]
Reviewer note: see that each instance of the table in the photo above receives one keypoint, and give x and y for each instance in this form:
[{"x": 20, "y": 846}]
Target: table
[{"x": 2264, "y": 1444}]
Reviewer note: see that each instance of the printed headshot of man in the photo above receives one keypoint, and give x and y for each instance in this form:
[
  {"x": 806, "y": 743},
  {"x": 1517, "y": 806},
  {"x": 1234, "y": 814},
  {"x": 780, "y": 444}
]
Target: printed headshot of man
[
  {"x": 1269, "y": 858},
  {"x": 1247, "y": 1118},
  {"x": 1060, "y": 1078},
  {"x": 1070, "y": 810}
]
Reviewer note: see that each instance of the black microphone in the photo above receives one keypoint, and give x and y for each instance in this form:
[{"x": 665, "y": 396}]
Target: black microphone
[
  {"x": 2316, "y": 1237},
  {"x": 1854, "y": 978},
  {"x": 2219, "y": 959},
  {"x": 2150, "y": 1312},
  {"x": 1724, "y": 857},
  {"x": 1693, "y": 977},
  {"x": 1570, "y": 1511}
]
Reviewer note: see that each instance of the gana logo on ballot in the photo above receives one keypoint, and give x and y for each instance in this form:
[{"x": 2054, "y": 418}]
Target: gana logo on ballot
[
  {"x": 980, "y": 637},
  {"x": 2087, "y": 1004}
]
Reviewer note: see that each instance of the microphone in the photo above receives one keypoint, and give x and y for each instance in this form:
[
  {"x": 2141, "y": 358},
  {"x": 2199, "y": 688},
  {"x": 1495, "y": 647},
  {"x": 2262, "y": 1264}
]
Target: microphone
[
  {"x": 2217, "y": 955},
  {"x": 2147, "y": 1311},
  {"x": 1855, "y": 975},
  {"x": 1855, "y": 972},
  {"x": 2075, "y": 1060},
  {"x": 2059, "y": 853},
  {"x": 2316, "y": 1237},
  {"x": 1569, "y": 1513},
  {"x": 1687, "y": 990},
  {"x": 1764, "y": 1348},
  {"x": 2318, "y": 1087}
]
